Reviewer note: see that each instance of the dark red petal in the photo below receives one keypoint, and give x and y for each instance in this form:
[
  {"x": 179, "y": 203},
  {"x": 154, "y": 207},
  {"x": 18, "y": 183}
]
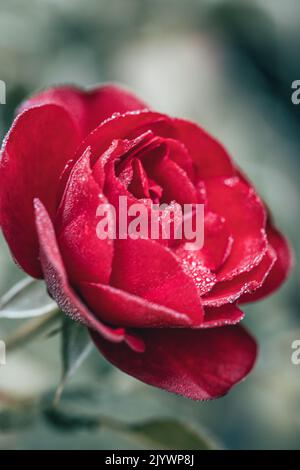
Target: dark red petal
[
  {"x": 217, "y": 242},
  {"x": 139, "y": 186},
  {"x": 87, "y": 108},
  {"x": 34, "y": 154},
  {"x": 209, "y": 156},
  {"x": 58, "y": 284},
  {"x": 128, "y": 125},
  {"x": 118, "y": 307},
  {"x": 198, "y": 364},
  {"x": 230, "y": 291},
  {"x": 86, "y": 256},
  {"x": 180, "y": 155},
  {"x": 280, "y": 269},
  {"x": 103, "y": 102},
  {"x": 113, "y": 186},
  {"x": 107, "y": 160},
  {"x": 228, "y": 314},
  {"x": 202, "y": 277},
  {"x": 147, "y": 269},
  {"x": 245, "y": 218},
  {"x": 119, "y": 156},
  {"x": 171, "y": 177}
]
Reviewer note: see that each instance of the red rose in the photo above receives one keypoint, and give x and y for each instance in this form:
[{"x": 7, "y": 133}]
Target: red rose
[{"x": 162, "y": 314}]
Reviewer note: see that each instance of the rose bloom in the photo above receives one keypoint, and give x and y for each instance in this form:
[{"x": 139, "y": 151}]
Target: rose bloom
[{"x": 161, "y": 313}]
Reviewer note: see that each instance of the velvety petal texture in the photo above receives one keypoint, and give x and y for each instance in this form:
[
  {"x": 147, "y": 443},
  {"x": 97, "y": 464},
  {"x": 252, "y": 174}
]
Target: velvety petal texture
[
  {"x": 147, "y": 269},
  {"x": 157, "y": 309},
  {"x": 58, "y": 285},
  {"x": 199, "y": 364},
  {"x": 280, "y": 269},
  {"x": 245, "y": 217},
  {"x": 35, "y": 152},
  {"x": 87, "y": 108},
  {"x": 121, "y": 308},
  {"x": 76, "y": 226}
]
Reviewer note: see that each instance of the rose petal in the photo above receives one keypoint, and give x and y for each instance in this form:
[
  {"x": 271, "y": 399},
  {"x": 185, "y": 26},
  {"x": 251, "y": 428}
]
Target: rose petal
[
  {"x": 139, "y": 186},
  {"x": 230, "y": 291},
  {"x": 104, "y": 172},
  {"x": 180, "y": 155},
  {"x": 86, "y": 256},
  {"x": 245, "y": 218},
  {"x": 228, "y": 314},
  {"x": 280, "y": 269},
  {"x": 118, "y": 307},
  {"x": 156, "y": 155},
  {"x": 198, "y": 364},
  {"x": 87, "y": 108},
  {"x": 217, "y": 242},
  {"x": 104, "y": 101},
  {"x": 202, "y": 277},
  {"x": 209, "y": 156},
  {"x": 34, "y": 154},
  {"x": 58, "y": 284},
  {"x": 171, "y": 177},
  {"x": 145, "y": 268},
  {"x": 129, "y": 125}
]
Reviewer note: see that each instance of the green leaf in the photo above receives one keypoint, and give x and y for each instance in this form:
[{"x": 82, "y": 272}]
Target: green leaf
[
  {"x": 26, "y": 299},
  {"x": 76, "y": 346},
  {"x": 172, "y": 434},
  {"x": 71, "y": 422}
]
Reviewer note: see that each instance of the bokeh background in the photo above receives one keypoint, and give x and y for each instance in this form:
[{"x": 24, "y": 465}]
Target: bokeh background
[{"x": 228, "y": 65}]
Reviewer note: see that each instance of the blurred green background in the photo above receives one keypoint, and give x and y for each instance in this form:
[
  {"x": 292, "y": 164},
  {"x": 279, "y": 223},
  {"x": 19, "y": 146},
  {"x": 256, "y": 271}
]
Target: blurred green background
[{"x": 229, "y": 66}]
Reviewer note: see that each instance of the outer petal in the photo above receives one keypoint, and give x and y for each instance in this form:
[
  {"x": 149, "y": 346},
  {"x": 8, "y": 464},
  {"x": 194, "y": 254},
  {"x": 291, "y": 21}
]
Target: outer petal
[
  {"x": 145, "y": 268},
  {"x": 88, "y": 108},
  {"x": 34, "y": 154},
  {"x": 104, "y": 101},
  {"x": 279, "y": 271},
  {"x": 59, "y": 288},
  {"x": 199, "y": 364},
  {"x": 246, "y": 220},
  {"x": 228, "y": 314},
  {"x": 209, "y": 156},
  {"x": 230, "y": 291},
  {"x": 118, "y": 307}
]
